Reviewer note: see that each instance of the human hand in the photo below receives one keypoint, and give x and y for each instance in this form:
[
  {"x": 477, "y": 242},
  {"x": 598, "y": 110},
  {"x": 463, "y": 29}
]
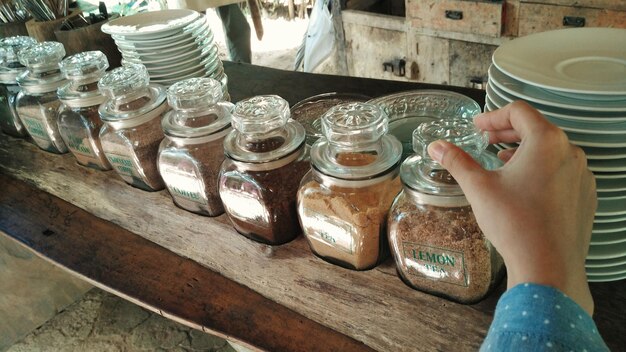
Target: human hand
[{"x": 537, "y": 210}]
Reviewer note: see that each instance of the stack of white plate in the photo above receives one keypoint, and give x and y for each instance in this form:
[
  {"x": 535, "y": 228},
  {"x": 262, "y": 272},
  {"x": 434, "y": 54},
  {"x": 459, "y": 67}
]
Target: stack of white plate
[
  {"x": 577, "y": 79},
  {"x": 172, "y": 44}
]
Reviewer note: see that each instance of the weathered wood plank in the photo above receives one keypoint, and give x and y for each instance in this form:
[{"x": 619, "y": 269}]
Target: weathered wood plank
[
  {"x": 476, "y": 17},
  {"x": 539, "y": 17},
  {"x": 152, "y": 276},
  {"x": 598, "y": 4}
]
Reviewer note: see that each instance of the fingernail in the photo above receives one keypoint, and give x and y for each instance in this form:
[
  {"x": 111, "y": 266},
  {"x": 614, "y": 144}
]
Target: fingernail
[{"x": 436, "y": 149}]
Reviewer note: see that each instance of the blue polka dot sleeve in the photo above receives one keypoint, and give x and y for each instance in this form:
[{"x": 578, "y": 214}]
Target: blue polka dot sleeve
[{"x": 532, "y": 317}]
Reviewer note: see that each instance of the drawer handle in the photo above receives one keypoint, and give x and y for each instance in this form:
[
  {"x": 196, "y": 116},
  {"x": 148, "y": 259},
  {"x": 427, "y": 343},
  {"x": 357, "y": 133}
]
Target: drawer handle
[
  {"x": 454, "y": 15},
  {"x": 573, "y": 21}
]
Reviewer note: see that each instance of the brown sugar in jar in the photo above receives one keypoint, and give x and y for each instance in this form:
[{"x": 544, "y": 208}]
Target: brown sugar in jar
[
  {"x": 433, "y": 235},
  {"x": 132, "y": 132},
  {"x": 343, "y": 202}
]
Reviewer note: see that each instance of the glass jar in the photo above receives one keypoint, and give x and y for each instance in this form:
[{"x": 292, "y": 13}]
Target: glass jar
[
  {"x": 434, "y": 238},
  {"x": 10, "y": 69},
  {"x": 79, "y": 122},
  {"x": 192, "y": 152},
  {"x": 37, "y": 103},
  {"x": 343, "y": 201},
  {"x": 266, "y": 158},
  {"x": 132, "y": 132}
]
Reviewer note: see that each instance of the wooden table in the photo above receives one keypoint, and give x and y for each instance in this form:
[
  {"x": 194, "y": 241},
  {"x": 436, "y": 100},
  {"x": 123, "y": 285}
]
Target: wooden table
[{"x": 200, "y": 272}]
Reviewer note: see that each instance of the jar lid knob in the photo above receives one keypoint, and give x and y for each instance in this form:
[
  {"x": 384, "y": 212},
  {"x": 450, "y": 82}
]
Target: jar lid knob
[
  {"x": 10, "y": 46},
  {"x": 42, "y": 55},
  {"x": 194, "y": 93},
  {"x": 260, "y": 114},
  {"x": 461, "y": 132},
  {"x": 354, "y": 124},
  {"x": 124, "y": 80},
  {"x": 88, "y": 63}
]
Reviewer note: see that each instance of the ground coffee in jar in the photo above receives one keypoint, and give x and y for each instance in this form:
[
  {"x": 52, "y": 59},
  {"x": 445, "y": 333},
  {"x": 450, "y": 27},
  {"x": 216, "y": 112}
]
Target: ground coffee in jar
[
  {"x": 192, "y": 152},
  {"x": 344, "y": 200},
  {"x": 132, "y": 132},
  {"x": 434, "y": 238},
  {"x": 10, "y": 69},
  {"x": 79, "y": 121},
  {"x": 266, "y": 158},
  {"x": 37, "y": 103}
]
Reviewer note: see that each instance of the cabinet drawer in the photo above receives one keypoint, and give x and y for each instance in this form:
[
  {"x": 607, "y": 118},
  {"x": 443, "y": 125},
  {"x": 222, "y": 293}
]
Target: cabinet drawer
[
  {"x": 539, "y": 18},
  {"x": 475, "y": 17}
]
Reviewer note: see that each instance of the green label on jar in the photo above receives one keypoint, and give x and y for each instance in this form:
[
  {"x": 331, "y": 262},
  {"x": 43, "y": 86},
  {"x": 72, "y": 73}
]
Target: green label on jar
[
  {"x": 35, "y": 128},
  {"x": 78, "y": 145},
  {"x": 123, "y": 165},
  {"x": 441, "y": 264},
  {"x": 183, "y": 184}
]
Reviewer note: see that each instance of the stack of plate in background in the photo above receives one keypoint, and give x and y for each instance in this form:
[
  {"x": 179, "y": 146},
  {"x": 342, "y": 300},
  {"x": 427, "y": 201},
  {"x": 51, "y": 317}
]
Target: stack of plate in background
[
  {"x": 172, "y": 44},
  {"x": 577, "y": 79}
]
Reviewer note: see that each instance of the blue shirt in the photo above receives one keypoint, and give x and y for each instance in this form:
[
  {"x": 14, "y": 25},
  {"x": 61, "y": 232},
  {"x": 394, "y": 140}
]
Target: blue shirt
[{"x": 532, "y": 317}]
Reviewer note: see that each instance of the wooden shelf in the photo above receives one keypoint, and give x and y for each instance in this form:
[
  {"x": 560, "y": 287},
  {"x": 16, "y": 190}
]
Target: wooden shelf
[{"x": 200, "y": 272}]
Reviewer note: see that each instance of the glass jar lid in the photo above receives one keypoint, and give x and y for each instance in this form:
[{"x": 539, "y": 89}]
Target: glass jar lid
[
  {"x": 42, "y": 56},
  {"x": 10, "y": 47},
  {"x": 423, "y": 174},
  {"x": 10, "y": 66},
  {"x": 83, "y": 70},
  {"x": 355, "y": 145},
  {"x": 129, "y": 87},
  {"x": 88, "y": 64},
  {"x": 263, "y": 130},
  {"x": 198, "y": 108}
]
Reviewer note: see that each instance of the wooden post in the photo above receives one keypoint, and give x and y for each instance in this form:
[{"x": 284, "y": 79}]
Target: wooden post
[
  {"x": 292, "y": 11},
  {"x": 340, "y": 39}
]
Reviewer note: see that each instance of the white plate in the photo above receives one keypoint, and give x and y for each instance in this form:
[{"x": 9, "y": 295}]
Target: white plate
[
  {"x": 575, "y": 60},
  {"x": 500, "y": 99},
  {"x": 529, "y": 92},
  {"x": 609, "y": 251},
  {"x": 607, "y": 270},
  {"x": 613, "y": 165},
  {"x": 602, "y": 278},
  {"x": 608, "y": 238},
  {"x": 183, "y": 46},
  {"x": 151, "y": 25},
  {"x": 610, "y": 184},
  {"x": 608, "y": 207},
  {"x": 607, "y": 219},
  {"x": 610, "y": 175},
  {"x": 612, "y": 195},
  {"x": 605, "y": 153},
  {"x": 610, "y": 227},
  {"x": 601, "y": 263}
]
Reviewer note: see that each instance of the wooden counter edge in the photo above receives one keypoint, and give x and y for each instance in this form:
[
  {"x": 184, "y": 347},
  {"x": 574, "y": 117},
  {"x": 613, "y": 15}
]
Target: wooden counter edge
[{"x": 133, "y": 268}]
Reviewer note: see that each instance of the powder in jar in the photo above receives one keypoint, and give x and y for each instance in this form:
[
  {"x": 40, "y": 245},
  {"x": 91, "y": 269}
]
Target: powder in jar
[
  {"x": 346, "y": 225},
  {"x": 80, "y": 128},
  {"x": 39, "y": 114},
  {"x": 441, "y": 250},
  {"x": 191, "y": 173},
  {"x": 262, "y": 204},
  {"x": 133, "y": 152}
]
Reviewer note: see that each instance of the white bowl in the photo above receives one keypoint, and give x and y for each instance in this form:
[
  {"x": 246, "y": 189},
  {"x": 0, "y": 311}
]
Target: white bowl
[{"x": 151, "y": 25}]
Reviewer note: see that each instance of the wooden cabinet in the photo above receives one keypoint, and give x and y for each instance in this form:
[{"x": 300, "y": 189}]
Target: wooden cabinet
[{"x": 451, "y": 41}]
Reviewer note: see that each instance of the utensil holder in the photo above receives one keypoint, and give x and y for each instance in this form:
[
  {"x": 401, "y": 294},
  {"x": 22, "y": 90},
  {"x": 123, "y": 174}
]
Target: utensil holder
[
  {"x": 89, "y": 38},
  {"x": 44, "y": 31},
  {"x": 12, "y": 29}
]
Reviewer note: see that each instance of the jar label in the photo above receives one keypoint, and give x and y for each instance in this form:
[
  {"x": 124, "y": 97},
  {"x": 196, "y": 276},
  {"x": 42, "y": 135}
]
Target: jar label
[
  {"x": 435, "y": 263},
  {"x": 123, "y": 165},
  {"x": 244, "y": 207},
  {"x": 37, "y": 131},
  {"x": 78, "y": 146},
  {"x": 183, "y": 184},
  {"x": 329, "y": 230}
]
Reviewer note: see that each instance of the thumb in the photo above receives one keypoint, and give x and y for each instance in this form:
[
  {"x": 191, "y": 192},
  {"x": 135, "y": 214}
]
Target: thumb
[{"x": 465, "y": 170}]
